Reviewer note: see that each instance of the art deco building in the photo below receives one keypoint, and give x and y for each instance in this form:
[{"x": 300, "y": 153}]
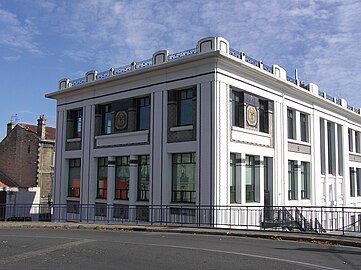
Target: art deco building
[{"x": 208, "y": 126}]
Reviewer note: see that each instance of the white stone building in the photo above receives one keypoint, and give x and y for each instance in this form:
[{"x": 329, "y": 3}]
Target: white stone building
[{"x": 208, "y": 126}]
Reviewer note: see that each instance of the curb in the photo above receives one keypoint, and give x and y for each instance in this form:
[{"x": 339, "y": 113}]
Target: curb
[{"x": 289, "y": 236}]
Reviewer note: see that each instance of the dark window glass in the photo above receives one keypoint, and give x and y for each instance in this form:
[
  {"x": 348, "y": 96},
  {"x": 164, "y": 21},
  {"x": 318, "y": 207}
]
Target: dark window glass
[
  {"x": 292, "y": 180},
  {"x": 358, "y": 181},
  {"x": 184, "y": 107},
  {"x": 122, "y": 178},
  {"x": 250, "y": 179},
  {"x": 290, "y": 124},
  {"x": 74, "y": 123},
  {"x": 184, "y": 178},
  {"x": 305, "y": 180},
  {"x": 143, "y": 113},
  {"x": 74, "y": 178},
  {"x": 350, "y": 140},
  {"x": 106, "y": 119},
  {"x": 143, "y": 178},
  {"x": 235, "y": 109},
  {"x": 263, "y": 116},
  {"x": 352, "y": 182},
  {"x": 304, "y": 127},
  {"x": 102, "y": 180}
]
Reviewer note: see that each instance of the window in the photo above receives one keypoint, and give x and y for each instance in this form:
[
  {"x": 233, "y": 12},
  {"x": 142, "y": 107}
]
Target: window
[
  {"x": 74, "y": 178},
  {"x": 357, "y": 141},
  {"x": 350, "y": 140},
  {"x": 352, "y": 182},
  {"x": 263, "y": 116},
  {"x": 291, "y": 124},
  {"x": 184, "y": 177},
  {"x": 143, "y": 178},
  {"x": 305, "y": 180},
  {"x": 106, "y": 119},
  {"x": 358, "y": 181},
  {"x": 237, "y": 112},
  {"x": 304, "y": 127},
  {"x": 234, "y": 187},
  {"x": 184, "y": 107},
  {"x": 74, "y": 123},
  {"x": 143, "y": 113},
  {"x": 292, "y": 180},
  {"x": 331, "y": 148},
  {"x": 102, "y": 181},
  {"x": 122, "y": 178},
  {"x": 250, "y": 179}
]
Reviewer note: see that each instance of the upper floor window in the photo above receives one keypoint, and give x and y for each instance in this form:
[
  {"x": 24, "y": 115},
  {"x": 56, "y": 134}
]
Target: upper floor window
[
  {"x": 304, "y": 127},
  {"x": 143, "y": 113},
  {"x": 122, "y": 178},
  {"x": 106, "y": 119},
  {"x": 291, "y": 120},
  {"x": 350, "y": 140},
  {"x": 102, "y": 180},
  {"x": 74, "y": 177},
  {"x": 357, "y": 142},
  {"x": 74, "y": 123},
  {"x": 184, "y": 177},
  {"x": 184, "y": 107},
  {"x": 250, "y": 111}
]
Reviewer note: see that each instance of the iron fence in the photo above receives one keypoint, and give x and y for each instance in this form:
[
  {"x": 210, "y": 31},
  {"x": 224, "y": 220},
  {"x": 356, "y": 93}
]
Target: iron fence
[{"x": 320, "y": 219}]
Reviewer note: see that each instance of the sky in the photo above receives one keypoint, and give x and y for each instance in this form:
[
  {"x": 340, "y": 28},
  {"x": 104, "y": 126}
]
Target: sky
[{"x": 44, "y": 41}]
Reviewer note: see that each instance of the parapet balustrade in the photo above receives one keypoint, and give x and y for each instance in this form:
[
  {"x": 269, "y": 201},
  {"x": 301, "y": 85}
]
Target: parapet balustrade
[{"x": 65, "y": 83}]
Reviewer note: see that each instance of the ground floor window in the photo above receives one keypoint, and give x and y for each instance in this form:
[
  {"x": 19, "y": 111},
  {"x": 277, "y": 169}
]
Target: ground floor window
[
  {"x": 74, "y": 177},
  {"x": 102, "y": 179},
  {"x": 143, "y": 178},
  {"x": 292, "y": 180},
  {"x": 122, "y": 178},
  {"x": 235, "y": 185},
  {"x": 352, "y": 182},
  {"x": 305, "y": 180},
  {"x": 184, "y": 177},
  {"x": 358, "y": 181},
  {"x": 251, "y": 178}
]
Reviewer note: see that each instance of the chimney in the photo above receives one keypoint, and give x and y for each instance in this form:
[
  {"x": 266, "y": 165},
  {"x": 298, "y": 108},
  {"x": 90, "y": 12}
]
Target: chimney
[
  {"x": 10, "y": 127},
  {"x": 41, "y": 127}
]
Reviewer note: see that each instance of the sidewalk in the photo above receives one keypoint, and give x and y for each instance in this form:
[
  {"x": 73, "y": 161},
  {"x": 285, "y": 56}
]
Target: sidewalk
[{"x": 329, "y": 239}]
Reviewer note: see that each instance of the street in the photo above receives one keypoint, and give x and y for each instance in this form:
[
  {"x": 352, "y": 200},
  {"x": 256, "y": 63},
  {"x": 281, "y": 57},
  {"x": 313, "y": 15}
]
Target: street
[{"x": 95, "y": 249}]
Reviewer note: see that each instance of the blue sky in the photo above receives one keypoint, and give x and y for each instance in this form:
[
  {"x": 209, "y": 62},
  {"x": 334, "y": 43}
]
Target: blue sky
[{"x": 44, "y": 41}]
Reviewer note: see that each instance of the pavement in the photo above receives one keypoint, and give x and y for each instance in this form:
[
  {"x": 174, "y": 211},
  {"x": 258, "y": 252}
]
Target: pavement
[{"x": 319, "y": 238}]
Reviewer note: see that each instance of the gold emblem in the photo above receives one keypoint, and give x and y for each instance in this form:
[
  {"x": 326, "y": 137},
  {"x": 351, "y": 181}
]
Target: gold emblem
[
  {"x": 252, "y": 117},
  {"x": 121, "y": 120}
]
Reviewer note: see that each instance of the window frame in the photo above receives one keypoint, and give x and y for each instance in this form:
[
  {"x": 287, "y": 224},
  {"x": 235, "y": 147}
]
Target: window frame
[
  {"x": 292, "y": 180},
  {"x": 73, "y": 190},
  {"x": 291, "y": 124},
  {"x": 143, "y": 186},
  {"x": 184, "y": 106},
  {"x": 102, "y": 191},
  {"x": 305, "y": 180},
  {"x": 143, "y": 105},
  {"x": 183, "y": 195},
  {"x": 121, "y": 163}
]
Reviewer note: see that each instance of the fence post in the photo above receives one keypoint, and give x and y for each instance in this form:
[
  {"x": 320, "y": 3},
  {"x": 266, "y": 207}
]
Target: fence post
[{"x": 343, "y": 220}]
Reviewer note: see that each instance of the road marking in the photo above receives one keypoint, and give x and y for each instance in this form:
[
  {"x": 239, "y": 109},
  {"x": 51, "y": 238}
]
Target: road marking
[
  {"x": 43, "y": 251},
  {"x": 236, "y": 253}
]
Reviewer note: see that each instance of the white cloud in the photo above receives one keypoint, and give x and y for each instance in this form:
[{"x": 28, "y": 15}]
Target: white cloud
[
  {"x": 12, "y": 58},
  {"x": 17, "y": 34},
  {"x": 319, "y": 37}
]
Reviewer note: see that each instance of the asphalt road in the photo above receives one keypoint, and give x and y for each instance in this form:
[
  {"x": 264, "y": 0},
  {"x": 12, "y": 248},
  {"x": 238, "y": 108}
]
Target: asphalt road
[{"x": 94, "y": 249}]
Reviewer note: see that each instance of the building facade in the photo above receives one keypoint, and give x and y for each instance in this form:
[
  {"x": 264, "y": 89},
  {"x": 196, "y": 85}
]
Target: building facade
[
  {"x": 208, "y": 126},
  {"x": 27, "y": 156}
]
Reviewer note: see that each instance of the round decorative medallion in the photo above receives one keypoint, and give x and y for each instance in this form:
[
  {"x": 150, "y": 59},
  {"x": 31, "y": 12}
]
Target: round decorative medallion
[
  {"x": 252, "y": 117},
  {"x": 121, "y": 120}
]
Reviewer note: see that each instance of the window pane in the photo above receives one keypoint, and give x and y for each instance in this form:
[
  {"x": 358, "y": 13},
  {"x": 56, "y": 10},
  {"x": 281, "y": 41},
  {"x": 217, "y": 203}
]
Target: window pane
[
  {"x": 143, "y": 178},
  {"x": 290, "y": 124},
  {"x": 184, "y": 175},
  {"x": 122, "y": 178},
  {"x": 74, "y": 178},
  {"x": 184, "y": 107},
  {"x": 143, "y": 113},
  {"x": 102, "y": 183}
]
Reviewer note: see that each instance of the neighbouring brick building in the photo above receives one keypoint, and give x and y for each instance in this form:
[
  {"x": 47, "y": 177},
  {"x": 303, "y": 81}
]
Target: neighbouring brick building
[{"x": 27, "y": 162}]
